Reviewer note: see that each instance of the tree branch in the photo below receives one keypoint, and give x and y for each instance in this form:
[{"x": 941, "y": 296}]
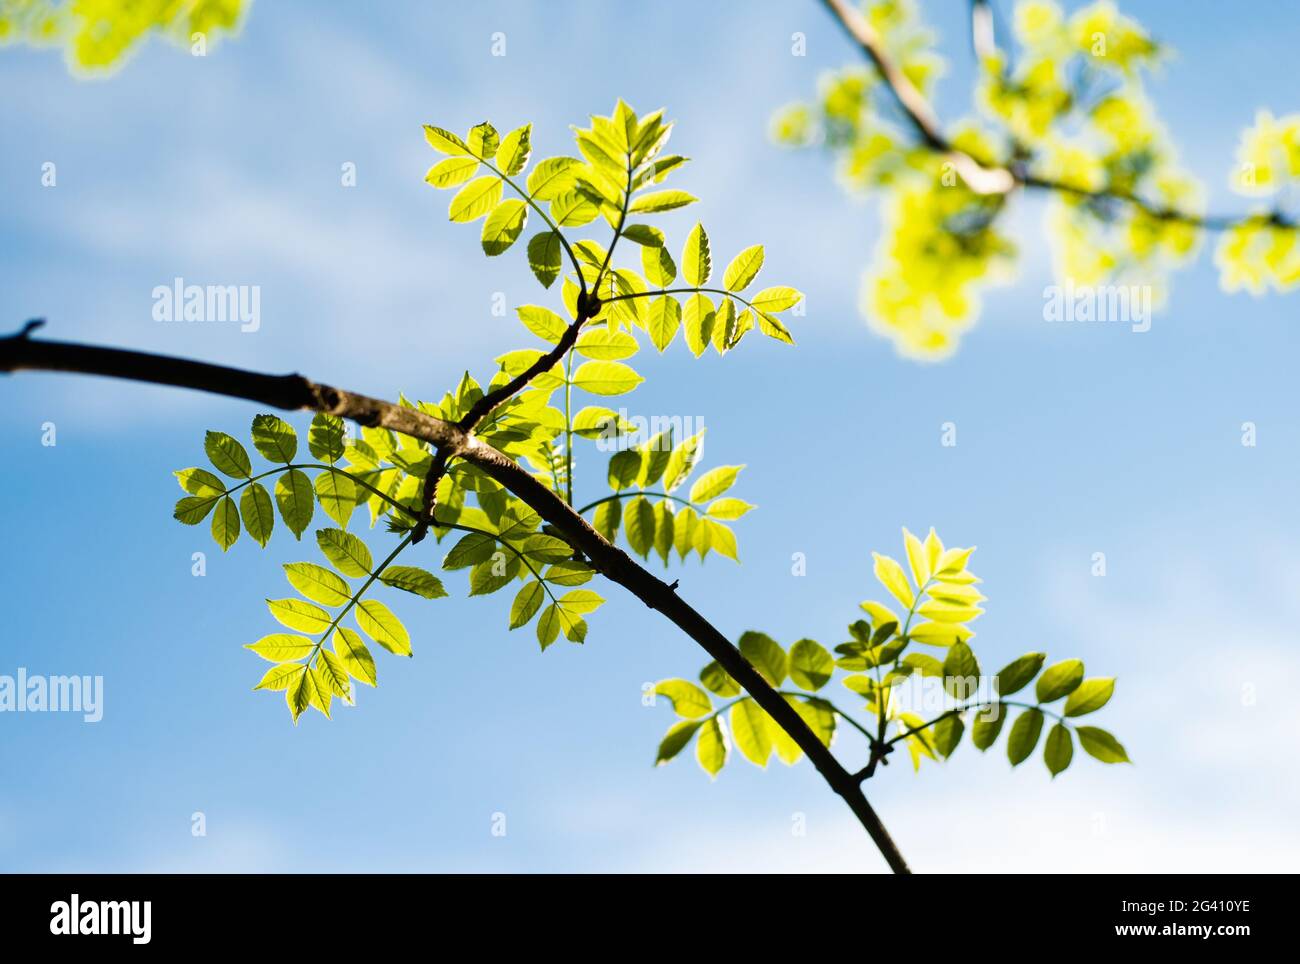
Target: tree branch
[
  {"x": 19, "y": 352},
  {"x": 981, "y": 175}
]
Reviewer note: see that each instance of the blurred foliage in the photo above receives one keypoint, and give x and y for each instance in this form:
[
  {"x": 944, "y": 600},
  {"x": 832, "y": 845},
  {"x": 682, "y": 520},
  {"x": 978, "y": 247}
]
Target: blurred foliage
[
  {"x": 1068, "y": 105},
  {"x": 98, "y": 35}
]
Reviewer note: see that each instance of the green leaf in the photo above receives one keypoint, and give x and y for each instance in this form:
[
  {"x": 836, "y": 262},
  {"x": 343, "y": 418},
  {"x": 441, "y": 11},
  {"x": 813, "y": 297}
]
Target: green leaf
[
  {"x": 639, "y": 520},
  {"x": 657, "y": 201},
  {"x": 570, "y": 572},
  {"x": 413, "y": 579},
  {"x": 318, "y": 583},
  {"x": 527, "y": 602},
  {"x": 624, "y": 468},
  {"x": 1016, "y": 675},
  {"x": 349, "y": 554},
  {"x": 773, "y": 300},
  {"x": 225, "y": 523},
  {"x": 472, "y": 549},
  {"x": 751, "y": 730},
  {"x": 544, "y": 256},
  {"x": 378, "y": 622},
  {"x": 713, "y": 483},
  {"x": 301, "y": 693},
  {"x": 503, "y": 226},
  {"x": 444, "y": 141},
  {"x": 227, "y": 455},
  {"x": 718, "y": 680},
  {"x": 924, "y": 664},
  {"x": 699, "y": 317},
  {"x": 553, "y": 177},
  {"x": 678, "y": 735},
  {"x": 200, "y": 482},
  {"x": 325, "y": 437},
  {"x": 483, "y": 140},
  {"x": 294, "y": 496},
  {"x": 573, "y": 209},
  {"x": 986, "y": 727},
  {"x": 602, "y": 344},
  {"x": 608, "y": 517},
  {"x": 1024, "y": 735},
  {"x": 721, "y": 539},
  {"x": 279, "y": 677},
  {"x": 664, "y": 318},
  {"x": 811, "y": 665},
  {"x": 1092, "y": 694},
  {"x": 281, "y": 647},
  {"x": 743, "y": 269},
  {"x": 274, "y": 438},
  {"x": 334, "y": 674},
  {"x": 711, "y": 747},
  {"x": 1059, "y": 749},
  {"x": 1097, "y": 743},
  {"x": 728, "y": 509},
  {"x": 644, "y": 235},
  {"x": 960, "y": 671},
  {"x": 493, "y": 574},
  {"x": 687, "y": 699},
  {"x": 475, "y": 199},
  {"x": 350, "y": 648},
  {"x": 542, "y": 322},
  {"x": 451, "y": 172},
  {"x": 947, "y": 735},
  {"x": 299, "y": 615},
  {"x": 512, "y": 155},
  {"x": 193, "y": 509},
  {"x": 1059, "y": 680},
  {"x": 697, "y": 264},
  {"x": 658, "y": 266},
  {"x": 606, "y": 378},
  {"x": 766, "y": 655},
  {"x": 548, "y": 626},
  {"x": 337, "y": 494}
]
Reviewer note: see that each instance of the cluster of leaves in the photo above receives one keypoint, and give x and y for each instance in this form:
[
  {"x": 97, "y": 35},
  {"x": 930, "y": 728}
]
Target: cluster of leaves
[
  {"x": 98, "y": 34},
  {"x": 884, "y": 654},
  {"x": 1069, "y": 106},
  {"x": 499, "y": 540},
  {"x": 616, "y": 179},
  {"x": 1263, "y": 251},
  {"x": 660, "y": 521}
]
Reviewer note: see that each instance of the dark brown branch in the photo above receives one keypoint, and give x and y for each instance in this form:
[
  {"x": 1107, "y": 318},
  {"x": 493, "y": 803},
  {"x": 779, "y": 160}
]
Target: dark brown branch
[
  {"x": 19, "y": 352},
  {"x": 588, "y": 307}
]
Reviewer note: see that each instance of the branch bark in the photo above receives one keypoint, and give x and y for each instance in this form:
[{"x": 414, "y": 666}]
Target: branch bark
[{"x": 20, "y": 352}]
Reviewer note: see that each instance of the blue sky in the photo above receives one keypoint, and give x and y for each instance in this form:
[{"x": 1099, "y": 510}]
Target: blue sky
[{"x": 1072, "y": 440}]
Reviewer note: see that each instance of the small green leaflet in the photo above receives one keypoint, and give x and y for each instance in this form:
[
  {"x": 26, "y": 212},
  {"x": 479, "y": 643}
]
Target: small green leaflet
[
  {"x": 227, "y": 455},
  {"x": 743, "y": 269},
  {"x": 274, "y": 438},
  {"x": 697, "y": 263},
  {"x": 412, "y": 579},
  {"x": 225, "y": 523},
  {"x": 503, "y": 226},
  {"x": 544, "y": 256},
  {"x": 258, "y": 513},
  {"x": 349, "y": 554},
  {"x": 293, "y": 494}
]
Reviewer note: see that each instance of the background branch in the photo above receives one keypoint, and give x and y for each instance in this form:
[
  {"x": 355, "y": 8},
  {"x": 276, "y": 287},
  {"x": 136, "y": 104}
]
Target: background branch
[{"x": 981, "y": 175}]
